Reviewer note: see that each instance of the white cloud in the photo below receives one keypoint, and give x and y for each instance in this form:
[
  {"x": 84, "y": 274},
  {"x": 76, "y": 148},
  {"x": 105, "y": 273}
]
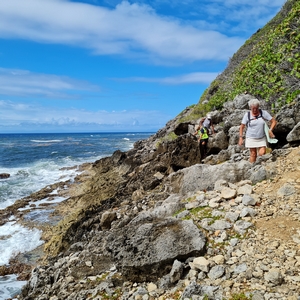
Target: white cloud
[
  {"x": 128, "y": 30},
  {"x": 241, "y": 16},
  {"x": 25, "y": 83},
  {"x": 196, "y": 77},
  {"x": 17, "y": 115},
  {"x": 231, "y": 17}
]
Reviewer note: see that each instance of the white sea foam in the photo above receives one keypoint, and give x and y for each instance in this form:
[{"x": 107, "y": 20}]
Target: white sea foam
[
  {"x": 126, "y": 139},
  {"x": 24, "y": 181},
  {"x": 10, "y": 287},
  {"x": 54, "y": 192},
  {"x": 42, "y": 201},
  {"x": 46, "y": 141},
  {"x": 39, "y": 215},
  {"x": 17, "y": 239}
]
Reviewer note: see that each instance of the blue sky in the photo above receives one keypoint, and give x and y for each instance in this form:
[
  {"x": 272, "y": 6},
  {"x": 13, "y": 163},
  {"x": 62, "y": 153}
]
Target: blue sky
[{"x": 110, "y": 65}]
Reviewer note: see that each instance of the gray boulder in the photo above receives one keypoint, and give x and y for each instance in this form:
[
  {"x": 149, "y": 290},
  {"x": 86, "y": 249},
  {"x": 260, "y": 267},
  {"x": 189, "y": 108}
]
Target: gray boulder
[
  {"x": 286, "y": 119},
  {"x": 146, "y": 251},
  {"x": 235, "y": 118},
  {"x": 176, "y": 272},
  {"x": 218, "y": 142},
  {"x": 203, "y": 177},
  {"x": 241, "y": 101},
  {"x": 294, "y": 135},
  {"x": 233, "y": 134}
]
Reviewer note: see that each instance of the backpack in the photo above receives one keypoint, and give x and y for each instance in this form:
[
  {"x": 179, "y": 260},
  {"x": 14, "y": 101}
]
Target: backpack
[
  {"x": 206, "y": 123},
  {"x": 259, "y": 116}
]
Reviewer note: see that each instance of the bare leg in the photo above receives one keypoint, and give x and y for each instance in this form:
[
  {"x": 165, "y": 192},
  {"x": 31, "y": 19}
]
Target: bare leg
[
  {"x": 253, "y": 155},
  {"x": 261, "y": 151}
]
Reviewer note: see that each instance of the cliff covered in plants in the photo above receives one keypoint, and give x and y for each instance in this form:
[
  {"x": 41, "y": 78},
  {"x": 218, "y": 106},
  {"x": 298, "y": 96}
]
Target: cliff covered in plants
[{"x": 267, "y": 66}]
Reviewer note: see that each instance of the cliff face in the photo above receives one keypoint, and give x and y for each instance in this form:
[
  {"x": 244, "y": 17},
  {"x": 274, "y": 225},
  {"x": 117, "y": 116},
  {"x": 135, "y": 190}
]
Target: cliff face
[{"x": 154, "y": 223}]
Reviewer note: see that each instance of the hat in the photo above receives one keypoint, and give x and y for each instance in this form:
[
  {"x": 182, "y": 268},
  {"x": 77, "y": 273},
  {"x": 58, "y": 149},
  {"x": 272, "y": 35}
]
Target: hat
[{"x": 208, "y": 116}]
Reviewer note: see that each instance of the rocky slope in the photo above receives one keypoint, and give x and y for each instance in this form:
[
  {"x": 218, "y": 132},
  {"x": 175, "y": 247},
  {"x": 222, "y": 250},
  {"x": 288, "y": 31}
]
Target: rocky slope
[{"x": 183, "y": 241}]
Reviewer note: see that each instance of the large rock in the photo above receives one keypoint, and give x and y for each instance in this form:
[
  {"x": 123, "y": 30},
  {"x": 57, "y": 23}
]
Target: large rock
[
  {"x": 239, "y": 102},
  {"x": 4, "y": 175},
  {"x": 234, "y": 118},
  {"x": 294, "y": 135},
  {"x": 233, "y": 134},
  {"x": 146, "y": 251},
  {"x": 218, "y": 142},
  {"x": 203, "y": 177}
]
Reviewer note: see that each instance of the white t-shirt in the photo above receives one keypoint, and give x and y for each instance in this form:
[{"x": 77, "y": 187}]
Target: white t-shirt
[{"x": 255, "y": 128}]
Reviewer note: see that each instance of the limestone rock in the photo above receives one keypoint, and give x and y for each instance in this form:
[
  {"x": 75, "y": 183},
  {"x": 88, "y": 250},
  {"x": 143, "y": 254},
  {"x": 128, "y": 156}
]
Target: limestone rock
[
  {"x": 228, "y": 193},
  {"x": 146, "y": 251},
  {"x": 294, "y": 135}
]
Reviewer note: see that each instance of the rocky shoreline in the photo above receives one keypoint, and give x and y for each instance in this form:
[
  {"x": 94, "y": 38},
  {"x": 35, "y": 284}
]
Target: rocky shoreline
[
  {"x": 154, "y": 223},
  {"x": 250, "y": 244}
]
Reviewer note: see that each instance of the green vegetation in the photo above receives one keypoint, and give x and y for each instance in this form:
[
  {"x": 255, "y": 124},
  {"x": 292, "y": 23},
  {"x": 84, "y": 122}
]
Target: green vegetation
[
  {"x": 190, "y": 199},
  {"x": 115, "y": 296},
  {"x": 240, "y": 296},
  {"x": 203, "y": 213},
  {"x": 178, "y": 212},
  {"x": 200, "y": 213},
  {"x": 272, "y": 69},
  {"x": 168, "y": 138},
  {"x": 199, "y": 110},
  {"x": 266, "y": 66},
  {"x": 102, "y": 277}
]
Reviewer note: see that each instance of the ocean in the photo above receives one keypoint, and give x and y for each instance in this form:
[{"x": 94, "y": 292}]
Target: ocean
[{"x": 35, "y": 161}]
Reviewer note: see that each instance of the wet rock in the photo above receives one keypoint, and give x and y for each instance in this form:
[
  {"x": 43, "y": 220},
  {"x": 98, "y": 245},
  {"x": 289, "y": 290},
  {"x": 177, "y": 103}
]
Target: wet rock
[{"x": 4, "y": 175}]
